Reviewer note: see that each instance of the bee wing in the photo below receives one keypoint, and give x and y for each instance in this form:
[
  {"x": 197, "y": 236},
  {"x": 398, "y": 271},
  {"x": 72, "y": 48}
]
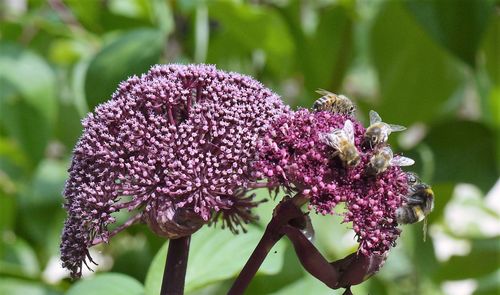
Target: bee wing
[
  {"x": 349, "y": 131},
  {"x": 332, "y": 139},
  {"x": 323, "y": 92},
  {"x": 401, "y": 161},
  {"x": 396, "y": 127},
  {"x": 374, "y": 117},
  {"x": 387, "y": 152}
]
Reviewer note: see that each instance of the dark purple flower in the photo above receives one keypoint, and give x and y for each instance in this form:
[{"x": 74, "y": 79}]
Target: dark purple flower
[
  {"x": 294, "y": 155},
  {"x": 175, "y": 146}
]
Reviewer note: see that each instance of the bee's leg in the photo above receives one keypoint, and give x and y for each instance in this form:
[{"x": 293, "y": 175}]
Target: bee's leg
[{"x": 425, "y": 228}]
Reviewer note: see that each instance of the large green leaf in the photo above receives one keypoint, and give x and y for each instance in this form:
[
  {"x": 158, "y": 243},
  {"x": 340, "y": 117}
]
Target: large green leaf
[
  {"x": 107, "y": 284},
  {"x": 18, "y": 258},
  {"x": 247, "y": 28},
  {"x": 40, "y": 205},
  {"x": 457, "y": 26},
  {"x": 463, "y": 152},
  {"x": 12, "y": 286},
  {"x": 443, "y": 193},
  {"x": 310, "y": 285},
  {"x": 28, "y": 101},
  {"x": 326, "y": 55},
  {"x": 131, "y": 54},
  {"x": 215, "y": 255},
  {"x": 416, "y": 76},
  {"x": 489, "y": 284},
  {"x": 31, "y": 77},
  {"x": 491, "y": 49}
]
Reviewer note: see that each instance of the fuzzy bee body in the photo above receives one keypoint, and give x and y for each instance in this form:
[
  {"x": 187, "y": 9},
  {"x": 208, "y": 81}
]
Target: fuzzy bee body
[
  {"x": 378, "y": 131},
  {"x": 336, "y": 104},
  {"x": 342, "y": 140},
  {"x": 383, "y": 158},
  {"x": 419, "y": 204}
]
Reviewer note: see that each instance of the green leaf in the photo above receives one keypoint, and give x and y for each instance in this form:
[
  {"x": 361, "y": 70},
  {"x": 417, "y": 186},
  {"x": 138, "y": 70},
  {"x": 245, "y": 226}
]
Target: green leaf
[
  {"x": 31, "y": 77},
  {"x": 212, "y": 258},
  {"x": 107, "y": 284},
  {"x": 19, "y": 287},
  {"x": 416, "y": 76},
  {"x": 463, "y": 152},
  {"x": 28, "y": 103},
  {"x": 491, "y": 49},
  {"x": 482, "y": 260},
  {"x": 131, "y": 54},
  {"x": 68, "y": 127},
  {"x": 26, "y": 125},
  {"x": 443, "y": 193},
  {"x": 242, "y": 29},
  {"x": 306, "y": 285},
  {"x": 489, "y": 284},
  {"x": 327, "y": 53},
  {"x": 310, "y": 285},
  {"x": 457, "y": 26},
  {"x": 40, "y": 205},
  {"x": 7, "y": 214},
  {"x": 18, "y": 257},
  {"x": 87, "y": 12},
  {"x": 291, "y": 271}
]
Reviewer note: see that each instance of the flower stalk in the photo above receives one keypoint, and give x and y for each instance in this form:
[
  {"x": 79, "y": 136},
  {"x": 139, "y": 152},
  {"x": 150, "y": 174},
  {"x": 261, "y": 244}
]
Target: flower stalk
[
  {"x": 175, "y": 266},
  {"x": 286, "y": 211}
]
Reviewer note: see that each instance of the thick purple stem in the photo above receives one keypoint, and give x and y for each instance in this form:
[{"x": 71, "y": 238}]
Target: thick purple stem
[
  {"x": 343, "y": 273},
  {"x": 287, "y": 210},
  {"x": 175, "y": 266},
  {"x": 311, "y": 259}
]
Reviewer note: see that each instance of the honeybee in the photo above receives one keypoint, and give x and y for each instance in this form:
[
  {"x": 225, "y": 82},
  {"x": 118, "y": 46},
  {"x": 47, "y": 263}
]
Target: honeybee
[
  {"x": 337, "y": 104},
  {"x": 383, "y": 158},
  {"x": 419, "y": 204},
  {"x": 342, "y": 140},
  {"x": 378, "y": 131}
]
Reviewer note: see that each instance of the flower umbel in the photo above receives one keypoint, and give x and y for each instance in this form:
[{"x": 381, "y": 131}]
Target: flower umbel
[
  {"x": 175, "y": 146},
  {"x": 295, "y": 155}
]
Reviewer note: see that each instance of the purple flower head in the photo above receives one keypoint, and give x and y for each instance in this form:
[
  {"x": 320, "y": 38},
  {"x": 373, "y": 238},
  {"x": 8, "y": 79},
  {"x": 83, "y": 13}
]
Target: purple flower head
[
  {"x": 295, "y": 155},
  {"x": 175, "y": 146}
]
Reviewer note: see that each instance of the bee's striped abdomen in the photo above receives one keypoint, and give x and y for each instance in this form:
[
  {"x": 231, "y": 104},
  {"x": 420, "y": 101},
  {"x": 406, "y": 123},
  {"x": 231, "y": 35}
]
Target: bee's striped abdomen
[{"x": 336, "y": 104}]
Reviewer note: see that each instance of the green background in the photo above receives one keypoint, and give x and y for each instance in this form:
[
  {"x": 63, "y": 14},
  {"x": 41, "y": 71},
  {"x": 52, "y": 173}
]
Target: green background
[{"x": 433, "y": 66}]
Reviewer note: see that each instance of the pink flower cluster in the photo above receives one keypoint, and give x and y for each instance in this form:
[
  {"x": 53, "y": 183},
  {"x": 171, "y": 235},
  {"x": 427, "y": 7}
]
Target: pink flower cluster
[
  {"x": 293, "y": 155},
  {"x": 176, "y": 146}
]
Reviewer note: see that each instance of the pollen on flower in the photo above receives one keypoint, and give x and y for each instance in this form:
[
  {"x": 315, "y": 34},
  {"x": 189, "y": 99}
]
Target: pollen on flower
[
  {"x": 176, "y": 146},
  {"x": 294, "y": 156}
]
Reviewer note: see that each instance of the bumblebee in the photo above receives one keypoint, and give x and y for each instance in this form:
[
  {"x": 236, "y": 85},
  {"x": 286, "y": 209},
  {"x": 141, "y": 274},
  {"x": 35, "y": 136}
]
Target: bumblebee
[
  {"x": 342, "y": 140},
  {"x": 419, "y": 204},
  {"x": 336, "y": 104},
  {"x": 378, "y": 131},
  {"x": 383, "y": 158}
]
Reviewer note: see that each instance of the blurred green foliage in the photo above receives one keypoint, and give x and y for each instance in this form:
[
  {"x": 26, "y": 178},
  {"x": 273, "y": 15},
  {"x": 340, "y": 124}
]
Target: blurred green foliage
[{"x": 432, "y": 65}]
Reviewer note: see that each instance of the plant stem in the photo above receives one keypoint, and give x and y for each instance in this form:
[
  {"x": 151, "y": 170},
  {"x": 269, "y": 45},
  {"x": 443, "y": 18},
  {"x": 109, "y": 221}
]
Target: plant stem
[
  {"x": 254, "y": 262},
  {"x": 284, "y": 212},
  {"x": 175, "y": 266}
]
